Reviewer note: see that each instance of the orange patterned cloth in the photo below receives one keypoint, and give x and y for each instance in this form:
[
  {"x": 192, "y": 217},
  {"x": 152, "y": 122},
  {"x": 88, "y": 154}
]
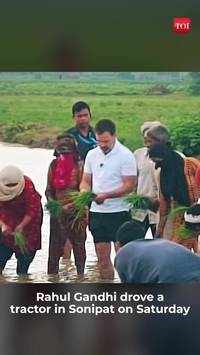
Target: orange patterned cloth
[
  {"x": 197, "y": 176},
  {"x": 191, "y": 166}
]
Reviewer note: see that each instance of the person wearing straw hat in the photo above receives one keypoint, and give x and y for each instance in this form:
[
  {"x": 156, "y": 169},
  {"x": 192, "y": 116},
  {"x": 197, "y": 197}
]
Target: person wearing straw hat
[{"x": 20, "y": 217}]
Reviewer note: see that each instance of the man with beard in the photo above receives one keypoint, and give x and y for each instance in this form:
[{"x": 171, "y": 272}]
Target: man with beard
[{"x": 82, "y": 131}]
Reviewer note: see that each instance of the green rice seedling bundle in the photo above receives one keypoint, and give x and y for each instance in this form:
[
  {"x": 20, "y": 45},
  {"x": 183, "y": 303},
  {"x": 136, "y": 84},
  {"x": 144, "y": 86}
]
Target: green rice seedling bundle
[
  {"x": 177, "y": 211},
  {"x": 81, "y": 201},
  {"x": 139, "y": 202},
  {"x": 20, "y": 242},
  {"x": 54, "y": 207},
  {"x": 77, "y": 224},
  {"x": 77, "y": 217},
  {"x": 183, "y": 232}
]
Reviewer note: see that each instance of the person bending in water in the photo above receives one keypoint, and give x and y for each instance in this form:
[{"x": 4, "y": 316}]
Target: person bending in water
[
  {"x": 20, "y": 213},
  {"x": 142, "y": 260}
]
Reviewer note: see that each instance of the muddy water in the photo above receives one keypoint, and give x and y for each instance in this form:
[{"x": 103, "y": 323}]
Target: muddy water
[{"x": 34, "y": 163}]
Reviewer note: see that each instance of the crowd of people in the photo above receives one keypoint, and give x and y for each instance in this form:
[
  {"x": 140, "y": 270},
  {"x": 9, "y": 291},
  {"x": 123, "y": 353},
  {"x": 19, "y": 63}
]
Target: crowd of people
[{"x": 93, "y": 159}]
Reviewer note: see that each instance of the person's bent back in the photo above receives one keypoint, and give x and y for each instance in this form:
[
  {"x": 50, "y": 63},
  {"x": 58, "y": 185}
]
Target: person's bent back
[{"x": 157, "y": 261}]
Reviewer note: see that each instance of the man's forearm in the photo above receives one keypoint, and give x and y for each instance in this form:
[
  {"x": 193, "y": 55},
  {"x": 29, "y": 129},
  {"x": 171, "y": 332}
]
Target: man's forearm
[{"x": 121, "y": 191}]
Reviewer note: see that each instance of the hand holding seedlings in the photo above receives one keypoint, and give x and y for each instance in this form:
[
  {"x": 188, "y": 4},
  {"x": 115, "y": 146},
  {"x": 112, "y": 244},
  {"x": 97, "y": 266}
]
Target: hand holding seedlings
[
  {"x": 142, "y": 202},
  {"x": 68, "y": 207},
  {"x": 100, "y": 198},
  {"x": 20, "y": 242},
  {"x": 75, "y": 204}
]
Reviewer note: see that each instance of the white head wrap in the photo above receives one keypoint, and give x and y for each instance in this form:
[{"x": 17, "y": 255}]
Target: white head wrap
[{"x": 11, "y": 175}]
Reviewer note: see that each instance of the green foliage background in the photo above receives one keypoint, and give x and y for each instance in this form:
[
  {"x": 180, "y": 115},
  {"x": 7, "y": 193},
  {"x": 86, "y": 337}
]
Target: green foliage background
[{"x": 34, "y": 111}]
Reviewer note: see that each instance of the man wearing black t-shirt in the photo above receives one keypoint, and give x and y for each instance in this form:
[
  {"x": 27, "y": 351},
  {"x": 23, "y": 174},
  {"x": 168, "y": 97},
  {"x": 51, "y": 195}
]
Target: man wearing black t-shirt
[{"x": 82, "y": 131}]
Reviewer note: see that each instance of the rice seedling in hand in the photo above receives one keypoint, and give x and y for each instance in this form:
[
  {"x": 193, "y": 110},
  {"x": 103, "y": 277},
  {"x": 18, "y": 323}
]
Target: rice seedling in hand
[
  {"x": 77, "y": 214},
  {"x": 77, "y": 224},
  {"x": 20, "y": 242},
  {"x": 81, "y": 201},
  {"x": 77, "y": 218},
  {"x": 54, "y": 207},
  {"x": 180, "y": 210},
  {"x": 183, "y": 232},
  {"x": 139, "y": 202}
]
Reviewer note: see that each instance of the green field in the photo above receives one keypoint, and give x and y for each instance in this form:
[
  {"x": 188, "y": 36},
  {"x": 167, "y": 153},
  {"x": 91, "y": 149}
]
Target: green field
[{"x": 33, "y": 112}]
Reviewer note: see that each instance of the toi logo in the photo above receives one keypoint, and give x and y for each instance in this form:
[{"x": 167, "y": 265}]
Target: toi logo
[{"x": 182, "y": 25}]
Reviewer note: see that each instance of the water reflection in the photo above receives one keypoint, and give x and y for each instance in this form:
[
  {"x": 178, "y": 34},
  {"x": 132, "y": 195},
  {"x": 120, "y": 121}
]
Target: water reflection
[{"x": 34, "y": 163}]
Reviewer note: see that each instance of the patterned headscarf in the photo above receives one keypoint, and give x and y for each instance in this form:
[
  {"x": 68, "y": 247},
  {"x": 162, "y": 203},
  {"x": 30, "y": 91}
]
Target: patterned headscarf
[{"x": 66, "y": 144}]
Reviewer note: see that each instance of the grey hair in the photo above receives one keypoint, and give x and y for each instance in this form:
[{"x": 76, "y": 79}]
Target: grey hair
[
  {"x": 147, "y": 125},
  {"x": 159, "y": 133}
]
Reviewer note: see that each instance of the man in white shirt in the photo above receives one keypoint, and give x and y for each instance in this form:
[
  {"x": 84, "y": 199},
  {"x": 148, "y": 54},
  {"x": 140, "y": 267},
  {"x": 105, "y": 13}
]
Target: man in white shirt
[{"x": 110, "y": 172}]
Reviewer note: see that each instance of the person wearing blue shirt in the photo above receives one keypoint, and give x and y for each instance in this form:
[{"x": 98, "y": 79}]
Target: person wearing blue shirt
[{"x": 82, "y": 131}]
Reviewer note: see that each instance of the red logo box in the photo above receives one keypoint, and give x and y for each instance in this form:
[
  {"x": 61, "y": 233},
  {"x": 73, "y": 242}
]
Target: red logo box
[{"x": 182, "y": 25}]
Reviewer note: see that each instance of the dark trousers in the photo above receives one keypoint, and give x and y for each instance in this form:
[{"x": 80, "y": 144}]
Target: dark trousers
[
  {"x": 23, "y": 260},
  {"x": 59, "y": 233}
]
